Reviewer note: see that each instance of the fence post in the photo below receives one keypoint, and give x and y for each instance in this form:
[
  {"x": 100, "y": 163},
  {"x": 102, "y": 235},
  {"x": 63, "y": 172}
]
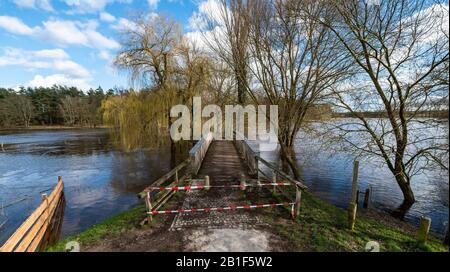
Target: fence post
[
  {"x": 176, "y": 176},
  {"x": 207, "y": 182},
  {"x": 148, "y": 203},
  {"x": 243, "y": 185},
  {"x": 298, "y": 199},
  {"x": 366, "y": 199},
  {"x": 352, "y": 215},
  {"x": 352, "y": 209},
  {"x": 424, "y": 229}
]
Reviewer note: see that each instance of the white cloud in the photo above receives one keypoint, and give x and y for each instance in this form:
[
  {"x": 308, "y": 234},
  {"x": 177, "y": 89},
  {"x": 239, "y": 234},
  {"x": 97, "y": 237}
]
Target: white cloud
[
  {"x": 207, "y": 10},
  {"x": 59, "y": 79},
  {"x": 16, "y": 26},
  {"x": 36, "y": 4},
  {"x": 153, "y": 4},
  {"x": 66, "y": 71},
  {"x": 124, "y": 24},
  {"x": 107, "y": 17},
  {"x": 62, "y": 32}
]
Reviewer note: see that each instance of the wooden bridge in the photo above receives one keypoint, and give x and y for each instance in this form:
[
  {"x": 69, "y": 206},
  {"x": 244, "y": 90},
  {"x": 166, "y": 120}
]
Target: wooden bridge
[{"x": 225, "y": 166}]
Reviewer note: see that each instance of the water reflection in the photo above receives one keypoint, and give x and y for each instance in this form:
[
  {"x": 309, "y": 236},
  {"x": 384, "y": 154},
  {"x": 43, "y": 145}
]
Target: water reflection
[
  {"x": 100, "y": 180},
  {"x": 328, "y": 174}
]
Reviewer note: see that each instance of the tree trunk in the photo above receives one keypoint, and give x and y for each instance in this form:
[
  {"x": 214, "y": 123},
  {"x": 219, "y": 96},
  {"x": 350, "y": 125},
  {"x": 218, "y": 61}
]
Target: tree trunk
[
  {"x": 408, "y": 196},
  {"x": 288, "y": 156}
]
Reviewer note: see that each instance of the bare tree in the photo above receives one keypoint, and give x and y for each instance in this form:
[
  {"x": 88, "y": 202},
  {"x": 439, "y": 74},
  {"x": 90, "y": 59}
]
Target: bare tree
[
  {"x": 226, "y": 34},
  {"x": 295, "y": 61},
  {"x": 401, "y": 50}
]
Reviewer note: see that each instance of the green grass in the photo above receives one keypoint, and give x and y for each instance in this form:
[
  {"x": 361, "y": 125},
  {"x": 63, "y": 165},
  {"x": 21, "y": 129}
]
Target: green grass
[
  {"x": 111, "y": 227},
  {"x": 322, "y": 227}
]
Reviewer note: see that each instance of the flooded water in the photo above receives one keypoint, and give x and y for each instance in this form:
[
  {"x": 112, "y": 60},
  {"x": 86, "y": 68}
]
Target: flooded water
[
  {"x": 99, "y": 179},
  {"x": 328, "y": 174}
]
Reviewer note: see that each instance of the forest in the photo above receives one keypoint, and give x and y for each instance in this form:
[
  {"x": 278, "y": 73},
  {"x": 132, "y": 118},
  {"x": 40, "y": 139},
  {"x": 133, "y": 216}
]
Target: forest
[{"x": 57, "y": 105}]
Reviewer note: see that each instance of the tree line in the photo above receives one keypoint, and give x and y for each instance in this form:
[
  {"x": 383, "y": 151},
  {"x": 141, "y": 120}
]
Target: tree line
[{"x": 57, "y": 105}]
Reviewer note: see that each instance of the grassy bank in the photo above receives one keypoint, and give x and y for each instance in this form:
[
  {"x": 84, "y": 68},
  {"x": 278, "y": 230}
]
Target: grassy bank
[
  {"x": 321, "y": 227},
  {"x": 110, "y": 228}
]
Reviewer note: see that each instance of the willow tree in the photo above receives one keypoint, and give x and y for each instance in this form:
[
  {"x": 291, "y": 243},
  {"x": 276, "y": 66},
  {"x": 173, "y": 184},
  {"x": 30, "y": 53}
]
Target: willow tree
[
  {"x": 167, "y": 70},
  {"x": 400, "y": 49}
]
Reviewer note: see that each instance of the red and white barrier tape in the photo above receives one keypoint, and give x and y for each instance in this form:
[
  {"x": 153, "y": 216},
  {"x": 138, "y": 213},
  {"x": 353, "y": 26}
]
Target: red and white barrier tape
[
  {"x": 197, "y": 187},
  {"x": 230, "y": 207}
]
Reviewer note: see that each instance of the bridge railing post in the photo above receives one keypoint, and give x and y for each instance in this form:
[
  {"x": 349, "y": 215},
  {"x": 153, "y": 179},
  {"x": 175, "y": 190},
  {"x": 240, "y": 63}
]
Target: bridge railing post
[
  {"x": 274, "y": 180},
  {"x": 148, "y": 204},
  {"x": 207, "y": 183},
  {"x": 243, "y": 185}
]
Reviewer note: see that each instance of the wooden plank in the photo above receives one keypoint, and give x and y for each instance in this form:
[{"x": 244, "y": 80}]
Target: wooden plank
[
  {"x": 17, "y": 236},
  {"x": 34, "y": 236},
  {"x": 164, "y": 178}
]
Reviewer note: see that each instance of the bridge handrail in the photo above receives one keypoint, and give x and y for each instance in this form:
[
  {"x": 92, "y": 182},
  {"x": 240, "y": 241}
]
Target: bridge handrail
[
  {"x": 253, "y": 158},
  {"x": 198, "y": 152}
]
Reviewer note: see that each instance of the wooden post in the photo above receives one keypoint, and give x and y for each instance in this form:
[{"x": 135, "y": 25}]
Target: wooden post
[
  {"x": 424, "y": 229},
  {"x": 243, "y": 185},
  {"x": 298, "y": 199},
  {"x": 148, "y": 204},
  {"x": 3, "y": 148},
  {"x": 352, "y": 209},
  {"x": 207, "y": 184},
  {"x": 176, "y": 177},
  {"x": 355, "y": 181},
  {"x": 366, "y": 199},
  {"x": 274, "y": 180},
  {"x": 352, "y": 215}
]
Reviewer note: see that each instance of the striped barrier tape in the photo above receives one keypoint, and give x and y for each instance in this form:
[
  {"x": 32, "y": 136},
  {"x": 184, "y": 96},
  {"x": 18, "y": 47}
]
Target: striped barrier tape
[
  {"x": 197, "y": 187},
  {"x": 221, "y": 209}
]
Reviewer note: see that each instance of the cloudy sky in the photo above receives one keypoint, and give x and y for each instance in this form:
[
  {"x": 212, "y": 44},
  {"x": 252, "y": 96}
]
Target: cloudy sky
[{"x": 72, "y": 42}]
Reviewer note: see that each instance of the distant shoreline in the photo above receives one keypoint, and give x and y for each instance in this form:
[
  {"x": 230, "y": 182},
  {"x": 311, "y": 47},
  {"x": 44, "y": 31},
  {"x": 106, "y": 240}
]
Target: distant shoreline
[{"x": 57, "y": 127}]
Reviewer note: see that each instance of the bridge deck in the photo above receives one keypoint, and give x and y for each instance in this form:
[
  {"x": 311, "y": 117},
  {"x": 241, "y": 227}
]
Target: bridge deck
[
  {"x": 224, "y": 166},
  {"x": 223, "y": 163}
]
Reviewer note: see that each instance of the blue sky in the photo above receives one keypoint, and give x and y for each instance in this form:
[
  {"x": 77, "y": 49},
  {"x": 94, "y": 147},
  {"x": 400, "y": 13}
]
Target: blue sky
[{"x": 71, "y": 42}]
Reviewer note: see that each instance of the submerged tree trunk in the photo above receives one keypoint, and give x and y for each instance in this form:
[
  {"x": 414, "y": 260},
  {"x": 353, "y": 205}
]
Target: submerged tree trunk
[
  {"x": 408, "y": 196},
  {"x": 288, "y": 157}
]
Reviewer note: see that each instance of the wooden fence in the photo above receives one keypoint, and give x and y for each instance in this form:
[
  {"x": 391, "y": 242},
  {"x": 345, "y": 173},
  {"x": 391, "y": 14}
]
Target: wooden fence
[
  {"x": 42, "y": 227},
  {"x": 190, "y": 167}
]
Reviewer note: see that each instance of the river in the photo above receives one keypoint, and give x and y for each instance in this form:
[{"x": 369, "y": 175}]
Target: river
[{"x": 101, "y": 180}]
